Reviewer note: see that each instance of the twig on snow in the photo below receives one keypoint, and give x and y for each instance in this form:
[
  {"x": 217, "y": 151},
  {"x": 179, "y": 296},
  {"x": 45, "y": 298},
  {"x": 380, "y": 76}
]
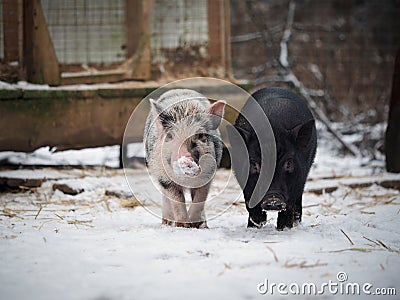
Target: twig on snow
[
  {"x": 273, "y": 253},
  {"x": 351, "y": 242}
]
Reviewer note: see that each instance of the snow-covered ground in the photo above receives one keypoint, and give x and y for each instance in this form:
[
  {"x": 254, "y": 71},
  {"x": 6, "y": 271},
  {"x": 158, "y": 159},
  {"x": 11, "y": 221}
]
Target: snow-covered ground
[{"x": 100, "y": 244}]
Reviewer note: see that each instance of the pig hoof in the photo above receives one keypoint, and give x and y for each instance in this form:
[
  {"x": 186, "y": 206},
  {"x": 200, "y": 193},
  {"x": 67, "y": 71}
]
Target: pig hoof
[
  {"x": 167, "y": 222},
  {"x": 273, "y": 203},
  {"x": 282, "y": 227},
  {"x": 254, "y": 224},
  {"x": 297, "y": 217},
  {"x": 199, "y": 225},
  {"x": 181, "y": 224},
  {"x": 296, "y": 222}
]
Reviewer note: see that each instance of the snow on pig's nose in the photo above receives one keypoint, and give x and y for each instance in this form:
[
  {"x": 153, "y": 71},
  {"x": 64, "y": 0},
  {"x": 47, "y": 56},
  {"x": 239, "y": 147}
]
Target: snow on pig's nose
[{"x": 183, "y": 152}]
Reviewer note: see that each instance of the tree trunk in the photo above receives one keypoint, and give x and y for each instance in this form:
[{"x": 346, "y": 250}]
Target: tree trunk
[{"x": 392, "y": 143}]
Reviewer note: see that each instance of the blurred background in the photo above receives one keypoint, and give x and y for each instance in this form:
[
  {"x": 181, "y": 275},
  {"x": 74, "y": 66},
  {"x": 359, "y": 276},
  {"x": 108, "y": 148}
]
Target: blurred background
[{"x": 72, "y": 71}]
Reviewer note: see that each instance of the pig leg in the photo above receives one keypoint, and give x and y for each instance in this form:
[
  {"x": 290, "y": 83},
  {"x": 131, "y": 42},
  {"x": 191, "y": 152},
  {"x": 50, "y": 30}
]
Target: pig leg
[
  {"x": 285, "y": 218},
  {"x": 167, "y": 214},
  {"x": 176, "y": 198},
  {"x": 196, "y": 210},
  {"x": 257, "y": 217},
  {"x": 298, "y": 207}
]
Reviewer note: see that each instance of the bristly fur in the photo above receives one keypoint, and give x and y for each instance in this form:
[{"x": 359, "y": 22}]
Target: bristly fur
[
  {"x": 182, "y": 108},
  {"x": 182, "y": 112}
]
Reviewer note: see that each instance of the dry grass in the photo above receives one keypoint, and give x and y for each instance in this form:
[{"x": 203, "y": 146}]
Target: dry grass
[
  {"x": 273, "y": 253},
  {"x": 10, "y": 213},
  {"x": 131, "y": 203},
  {"x": 351, "y": 242},
  {"x": 303, "y": 264}
]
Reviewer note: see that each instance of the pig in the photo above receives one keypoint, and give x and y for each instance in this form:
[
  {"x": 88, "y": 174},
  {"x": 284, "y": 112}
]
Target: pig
[
  {"x": 293, "y": 127},
  {"x": 183, "y": 149}
]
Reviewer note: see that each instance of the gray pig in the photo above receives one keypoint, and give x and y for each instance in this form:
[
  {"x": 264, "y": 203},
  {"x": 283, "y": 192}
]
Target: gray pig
[{"x": 183, "y": 149}]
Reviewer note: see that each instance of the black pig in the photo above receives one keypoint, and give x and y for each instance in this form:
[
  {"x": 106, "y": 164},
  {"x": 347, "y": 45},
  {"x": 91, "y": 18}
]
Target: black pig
[{"x": 294, "y": 129}]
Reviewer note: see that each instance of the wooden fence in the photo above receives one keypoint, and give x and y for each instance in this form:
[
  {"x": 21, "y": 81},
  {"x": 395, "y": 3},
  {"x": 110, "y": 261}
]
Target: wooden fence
[{"x": 59, "y": 42}]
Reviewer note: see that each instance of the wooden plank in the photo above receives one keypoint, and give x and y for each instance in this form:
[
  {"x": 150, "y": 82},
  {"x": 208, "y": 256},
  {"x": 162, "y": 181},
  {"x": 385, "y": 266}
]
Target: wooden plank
[
  {"x": 321, "y": 186},
  {"x": 92, "y": 79},
  {"x": 133, "y": 22},
  {"x": 10, "y": 30},
  {"x": 69, "y": 122},
  {"x": 89, "y": 78},
  {"x": 40, "y": 57},
  {"x": 218, "y": 13},
  {"x": 138, "y": 28},
  {"x": 21, "y": 69},
  {"x": 75, "y": 119},
  {"x": 227, "y": 40},
  {"x": 214, "y": 31}
]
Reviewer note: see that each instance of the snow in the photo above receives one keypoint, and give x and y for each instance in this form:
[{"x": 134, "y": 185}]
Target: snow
[
  {"x": 284, "y": 55},
  {"x": 185, "y": 166},
  {"x": 316, "y": 72},
  {"x": 132, "y": 84},
  {"x": 107, "y": 156},
  {"x": 23, "y": 85},
  {"x": 34, "y": 174},
  {"x": 95, "y": 246},
  {"x": 100, "y": 156}
]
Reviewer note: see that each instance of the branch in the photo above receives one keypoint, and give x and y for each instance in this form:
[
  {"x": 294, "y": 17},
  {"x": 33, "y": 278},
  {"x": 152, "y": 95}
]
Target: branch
[
  {"x": 321, "y": 115},
  {"x": 291, "y": 78},
  {"x": 283, "y": 57},
  {"x": 265, "y": 31},
  {"x": 246, "y": 37}
]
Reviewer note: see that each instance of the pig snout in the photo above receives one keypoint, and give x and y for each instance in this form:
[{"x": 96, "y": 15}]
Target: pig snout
[
  {"x": 273, "y": 201},
  {"x": 183, "y": 152},
  {"x": 185, "y": 164}
]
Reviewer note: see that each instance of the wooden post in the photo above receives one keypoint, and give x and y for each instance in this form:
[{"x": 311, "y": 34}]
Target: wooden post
[
  {"x": 10, "y": 30},
  {"x": 219, "y": 51},
  {"x": 21, "y": 67},
  {"x": 40, "y": 58},
  {"x": 138, "y": 34},
  {"x": 228, "y": 56},
  {"x": 134, "y": 19},
  {"x": 392, "y": 140}
]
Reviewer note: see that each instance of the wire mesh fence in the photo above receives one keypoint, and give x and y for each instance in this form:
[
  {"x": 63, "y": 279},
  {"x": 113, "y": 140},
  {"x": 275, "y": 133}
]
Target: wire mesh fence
[
  {"x": 178, "y": 24},
  {"x": 87, "y": 31}
]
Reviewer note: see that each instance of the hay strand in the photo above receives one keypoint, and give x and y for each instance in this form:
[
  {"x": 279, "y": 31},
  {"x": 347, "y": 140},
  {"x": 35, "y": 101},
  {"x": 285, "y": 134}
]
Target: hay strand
[
  {"x": 351, "y": 242},
  {"x": 273, "y": 253}
]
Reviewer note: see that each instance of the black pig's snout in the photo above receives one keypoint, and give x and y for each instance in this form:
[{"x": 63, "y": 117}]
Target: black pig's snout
[{"x": 273, "y": 202}]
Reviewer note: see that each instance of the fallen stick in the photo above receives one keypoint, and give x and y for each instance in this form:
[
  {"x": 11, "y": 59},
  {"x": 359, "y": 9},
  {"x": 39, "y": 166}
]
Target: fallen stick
[{"x": 351, "y": 242}]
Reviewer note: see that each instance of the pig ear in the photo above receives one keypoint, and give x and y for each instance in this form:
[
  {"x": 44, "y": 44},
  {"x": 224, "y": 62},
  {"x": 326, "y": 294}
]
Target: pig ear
[
  {"x": 303, "y": 133},
  {"x": 216, "y": 111},
  {"x": 155, "y": 110}
]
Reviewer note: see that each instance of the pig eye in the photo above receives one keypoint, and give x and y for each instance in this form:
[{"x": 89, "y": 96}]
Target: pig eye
[
  {"x": 289, "y": 166},
  {"x": 202, "y": 137},
  {"x": 169, "y": 137}
]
